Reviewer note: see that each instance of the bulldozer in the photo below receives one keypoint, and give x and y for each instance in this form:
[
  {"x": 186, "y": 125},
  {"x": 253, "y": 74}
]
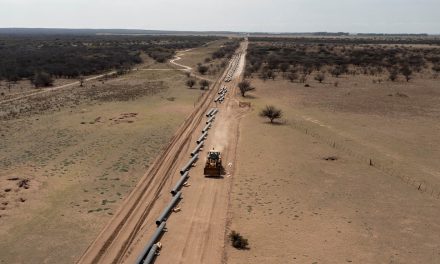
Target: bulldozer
[{"x": 213, "y": 166}]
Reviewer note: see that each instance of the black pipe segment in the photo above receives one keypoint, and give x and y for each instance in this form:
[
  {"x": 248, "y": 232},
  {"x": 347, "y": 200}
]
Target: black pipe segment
[
  {"x": 210, "y": 119},
  {"x": 206, "y": 128},
  {"x": 202, "y": 137},
  {"x": 208, "y": 114},
  {"x": 189, "y": 164},
  {"x": 151, "y": 242},
  {"x": 197, "y": 148},
  {"x": 151, "y": 255},
  {"x": 179, "y": 184},
  {"x": 163, "y": 216}
]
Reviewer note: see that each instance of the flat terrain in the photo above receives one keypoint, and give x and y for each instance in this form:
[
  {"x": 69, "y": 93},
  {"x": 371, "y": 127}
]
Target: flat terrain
[
  {"x": 305, "y": 191},
  {"x": 195, "y": 56},
  {"x": 196, "y": 233},
  {"x": 69, "y": 157}
]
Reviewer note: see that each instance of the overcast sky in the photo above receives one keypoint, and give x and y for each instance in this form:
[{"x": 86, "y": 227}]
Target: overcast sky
[{"x": 384, "y": 16}]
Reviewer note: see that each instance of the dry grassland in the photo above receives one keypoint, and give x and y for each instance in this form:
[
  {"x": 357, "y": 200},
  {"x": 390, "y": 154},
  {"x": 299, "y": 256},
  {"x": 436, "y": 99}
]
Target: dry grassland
[{"x": 306, "y": 192}]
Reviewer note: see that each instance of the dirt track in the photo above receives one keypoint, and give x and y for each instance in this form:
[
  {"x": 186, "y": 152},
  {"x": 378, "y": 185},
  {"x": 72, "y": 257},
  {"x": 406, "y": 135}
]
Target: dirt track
[{"x": 196, "y": 234}]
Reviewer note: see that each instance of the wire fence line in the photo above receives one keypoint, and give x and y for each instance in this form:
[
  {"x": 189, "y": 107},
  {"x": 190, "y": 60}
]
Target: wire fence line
[{"x": 386, "y": 166}]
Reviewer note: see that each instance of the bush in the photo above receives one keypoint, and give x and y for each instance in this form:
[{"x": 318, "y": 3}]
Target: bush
[
  {"x": 406, "y": 71},
  {"x": 292, "y": 76},
  {"x": 42, "y": 79},
  {"x": 238, "y": 241},
  {"x": 393, "y": 75},
  {"x": 204, "y": 84},
  {"x": 271, "y": 112},
  {"x": 320, "y": 77},
  {"x": 202, "y": 69},
  {"x": 190, "y": 83}
]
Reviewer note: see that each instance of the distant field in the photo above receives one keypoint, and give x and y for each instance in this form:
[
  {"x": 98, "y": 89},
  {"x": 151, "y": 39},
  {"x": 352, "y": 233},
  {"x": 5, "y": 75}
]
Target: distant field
[{"x": 204, "y": 56}]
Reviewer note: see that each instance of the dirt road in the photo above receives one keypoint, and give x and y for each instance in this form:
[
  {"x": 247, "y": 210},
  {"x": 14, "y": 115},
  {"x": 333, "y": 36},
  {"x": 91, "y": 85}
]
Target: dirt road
[
  {"x": 47, "y": 90},
  {"x": 196, "y": 234}
]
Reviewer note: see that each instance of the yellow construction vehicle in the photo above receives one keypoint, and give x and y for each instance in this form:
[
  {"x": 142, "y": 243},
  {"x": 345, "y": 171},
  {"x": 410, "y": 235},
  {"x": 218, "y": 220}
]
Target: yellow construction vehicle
[{"x": 213, "y": 166}]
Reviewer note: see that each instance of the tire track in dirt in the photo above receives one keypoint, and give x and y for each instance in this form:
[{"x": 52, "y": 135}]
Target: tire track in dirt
[
  {"x": 111, "y": 235},
  {"x": 198, "y": 230}
]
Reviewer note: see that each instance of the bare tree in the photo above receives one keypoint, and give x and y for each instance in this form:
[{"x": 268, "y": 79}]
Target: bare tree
[
  {"x": 245, "y": 86},
  {"x": 271, "y": 112},
  {"x": 81, "y": 81}
]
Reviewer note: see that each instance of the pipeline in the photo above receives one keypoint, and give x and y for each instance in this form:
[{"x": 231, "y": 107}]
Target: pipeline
[
  {"x": 206, "y": 128},
  {"x": 196, "y": 149},
  {"x": 150, "y": 243},
  {"x": 202, "y": 137},
  {"x": 210, "y": 119},
  {"x": 151, "y": 255},
  {"x": 189, "y": 164},
  {"x": 163, "y": 217},
  {"x": 179, "y": 184},
  {"x": 209, "y": 113}
]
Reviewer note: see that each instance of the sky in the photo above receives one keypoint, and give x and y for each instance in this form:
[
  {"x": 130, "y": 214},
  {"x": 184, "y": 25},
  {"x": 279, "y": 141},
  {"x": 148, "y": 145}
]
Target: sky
[{"x": 355, "y": 16}]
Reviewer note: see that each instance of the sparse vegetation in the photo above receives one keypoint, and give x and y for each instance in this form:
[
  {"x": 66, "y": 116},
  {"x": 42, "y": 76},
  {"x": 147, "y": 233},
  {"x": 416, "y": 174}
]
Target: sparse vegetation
[
  {"x": 238, "y": 241},
  {"x": 71, "y": 56},
  {"x": 269, "y": 57}
]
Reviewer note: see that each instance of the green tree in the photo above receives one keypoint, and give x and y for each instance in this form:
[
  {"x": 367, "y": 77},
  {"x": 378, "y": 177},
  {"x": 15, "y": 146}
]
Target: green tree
[{"x": 42, "y": 79}]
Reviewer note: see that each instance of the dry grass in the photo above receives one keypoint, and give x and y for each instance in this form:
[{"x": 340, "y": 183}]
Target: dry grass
[
  {"x": 297, "y": 207},
  {"x": 82, "y": 150}
]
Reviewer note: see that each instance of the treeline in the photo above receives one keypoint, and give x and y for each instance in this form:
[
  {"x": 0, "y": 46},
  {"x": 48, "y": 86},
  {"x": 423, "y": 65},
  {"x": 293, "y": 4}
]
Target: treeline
[
  {"x": 352, "y": 40},
  {"x": 227, "y": 50},
  {"x": 295, "y": 57},
  {"x": 25, "y": 56}
]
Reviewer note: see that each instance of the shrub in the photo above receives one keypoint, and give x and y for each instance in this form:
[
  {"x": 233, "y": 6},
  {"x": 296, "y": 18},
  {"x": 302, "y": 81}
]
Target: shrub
[
  {"x": 238, "y": 241},
  {"x": 406, "y": 71},
  {"x": 204, "y": 84},
  {"x": 42, "y": 79},
  {"x": 393, "y": 75},
  {"x": 202, "y": 69},
  {"x": 320, "y": 77},
  {"x": 190, "y": 83},
  {"x": 292, "y": 76}
]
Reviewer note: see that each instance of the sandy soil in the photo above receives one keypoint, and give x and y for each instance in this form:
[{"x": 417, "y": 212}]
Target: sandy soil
[
  {"x": 196, "y": 233},
  {"x": 66, "y": 168},
  {"x": 295, "y": 206}
]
